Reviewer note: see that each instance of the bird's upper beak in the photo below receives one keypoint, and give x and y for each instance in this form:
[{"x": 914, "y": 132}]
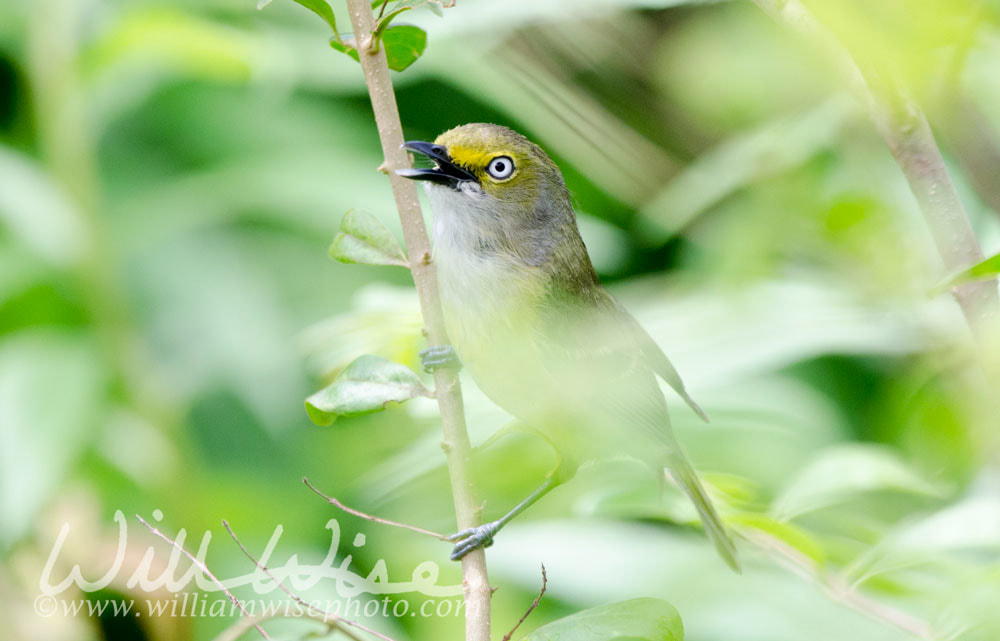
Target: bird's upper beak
[{"x": 445, "y": 173}]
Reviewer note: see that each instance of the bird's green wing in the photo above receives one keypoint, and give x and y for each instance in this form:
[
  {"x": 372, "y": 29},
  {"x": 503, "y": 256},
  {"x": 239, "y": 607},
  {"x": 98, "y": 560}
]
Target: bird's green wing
[
  {"x": 616, "y": 363},
  {"x": 595, "y": 325},
  {"x": 660, "y": 364},
  {"x": 652, "y": 355},
  {"x": 593, "y": 363}
]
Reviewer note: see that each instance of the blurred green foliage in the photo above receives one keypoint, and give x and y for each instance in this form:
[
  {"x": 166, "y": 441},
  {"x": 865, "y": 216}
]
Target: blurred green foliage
[{"x": 172, "y": 173}]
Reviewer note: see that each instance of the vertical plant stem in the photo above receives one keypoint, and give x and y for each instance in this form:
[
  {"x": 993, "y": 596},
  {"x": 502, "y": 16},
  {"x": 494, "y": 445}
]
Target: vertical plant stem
[
  {"x": 910, "y": 140},
  {"x": 967, "y": 131},
  {"x": 906, "y": 132},
  {"x": 68, "y": 147},
  {"x": 449, "y": 394}
]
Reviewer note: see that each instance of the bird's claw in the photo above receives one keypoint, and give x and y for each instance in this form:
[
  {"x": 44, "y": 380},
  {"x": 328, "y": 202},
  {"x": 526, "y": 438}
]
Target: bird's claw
[
  {"x": 473, "y": 538},
  {"x": 436, "y": 357}
]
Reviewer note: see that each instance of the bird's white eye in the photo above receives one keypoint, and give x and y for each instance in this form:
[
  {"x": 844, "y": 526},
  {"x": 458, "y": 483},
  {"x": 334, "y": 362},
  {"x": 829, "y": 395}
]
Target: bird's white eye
[{"x": 500, "y": 167}]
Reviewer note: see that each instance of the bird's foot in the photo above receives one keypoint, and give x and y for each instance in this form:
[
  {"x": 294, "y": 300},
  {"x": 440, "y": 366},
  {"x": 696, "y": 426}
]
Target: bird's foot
[
  {"x": 436, "y": 357},
  {"x": 477, "y": 537}
]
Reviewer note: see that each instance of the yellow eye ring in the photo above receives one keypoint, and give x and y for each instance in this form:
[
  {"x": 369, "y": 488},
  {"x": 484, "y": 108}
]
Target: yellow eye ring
[{"x": 500, "y": 168}]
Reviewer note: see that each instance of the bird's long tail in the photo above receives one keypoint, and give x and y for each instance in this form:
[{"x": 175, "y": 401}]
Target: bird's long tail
[{"x": 684, "y": 474}]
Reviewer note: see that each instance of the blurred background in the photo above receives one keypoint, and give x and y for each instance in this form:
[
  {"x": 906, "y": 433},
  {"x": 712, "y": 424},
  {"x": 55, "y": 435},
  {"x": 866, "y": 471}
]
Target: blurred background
[{"x": 171, "y": 174}]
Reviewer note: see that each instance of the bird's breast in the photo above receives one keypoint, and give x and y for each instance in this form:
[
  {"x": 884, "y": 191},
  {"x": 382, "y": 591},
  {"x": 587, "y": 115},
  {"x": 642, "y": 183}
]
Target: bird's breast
[
  {"x": 485, "y": 299},
  {"x": 490, "y": 304}
]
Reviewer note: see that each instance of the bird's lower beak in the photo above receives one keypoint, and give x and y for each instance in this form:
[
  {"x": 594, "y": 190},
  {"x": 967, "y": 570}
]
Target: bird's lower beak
[{"x": 445, "y": 173}]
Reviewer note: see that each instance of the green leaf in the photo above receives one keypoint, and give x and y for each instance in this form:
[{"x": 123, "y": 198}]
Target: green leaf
[
  {"x": 367, "y": 385},
  {"x": 319, "y": 7},
  {"x": 434, "y": 5},
  {"x": 969, "y": 526},
  {"x": 387, "y": 19},
  {"x": 985, "y": 270},
  {"x": 785, "y": 533},
  {"x": 403, "y": 45},
  {"x": 842, "y": 473},
  {"x": 363, "y": 239},
  {"x": 345, "y": 45},
  {"x": 643, "y": 619}
]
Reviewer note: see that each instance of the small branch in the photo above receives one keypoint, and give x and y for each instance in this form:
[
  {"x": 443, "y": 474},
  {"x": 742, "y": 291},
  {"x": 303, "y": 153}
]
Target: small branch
[
  {"x": 971, "y": 137},
  {"x": 368, "y": 517},
  {"x": 204, "y": 568},
  {"x": 838, "y": 589},
  {"x": 906, "y": 132},
  {"x": 328, "y": 617},
  {"x": 534, "y": 604},
  {"x": 238, "y": 629},
  {"x": 449, "y": 393}
]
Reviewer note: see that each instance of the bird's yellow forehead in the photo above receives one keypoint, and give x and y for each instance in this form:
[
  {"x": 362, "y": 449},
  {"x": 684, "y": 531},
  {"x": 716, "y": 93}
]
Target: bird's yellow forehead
[
  {"x": 473, "y": 157},
  {"x": 474, "y": 146}
]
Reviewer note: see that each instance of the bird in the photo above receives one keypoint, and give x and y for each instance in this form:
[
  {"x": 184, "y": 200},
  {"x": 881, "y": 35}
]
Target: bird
[{"x": 528, "y": 319}]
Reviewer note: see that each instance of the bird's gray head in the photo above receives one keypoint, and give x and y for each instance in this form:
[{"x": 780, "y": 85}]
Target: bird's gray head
[{"x": 497, "y": 181}]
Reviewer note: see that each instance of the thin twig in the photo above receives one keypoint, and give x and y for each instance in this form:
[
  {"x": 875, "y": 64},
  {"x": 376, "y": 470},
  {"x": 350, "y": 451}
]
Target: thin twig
[
  {"x": 204, "y": 568},
  {"x": 837, "y": 588},
  {"x": 329, "y": 617},
  {"x": 238, "y": 629},
  {"x": 475, "y": 580},
  {"x": 534, "y": 604},
  {"x": 362, "y": 515}
]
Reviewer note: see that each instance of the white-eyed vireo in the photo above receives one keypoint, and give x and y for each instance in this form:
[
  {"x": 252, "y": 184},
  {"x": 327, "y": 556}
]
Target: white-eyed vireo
[{"x": 530, "y": 321}]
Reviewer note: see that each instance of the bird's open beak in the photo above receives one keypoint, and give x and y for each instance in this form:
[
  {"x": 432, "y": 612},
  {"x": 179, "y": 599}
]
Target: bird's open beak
[{"x": 445, "y": 173}]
